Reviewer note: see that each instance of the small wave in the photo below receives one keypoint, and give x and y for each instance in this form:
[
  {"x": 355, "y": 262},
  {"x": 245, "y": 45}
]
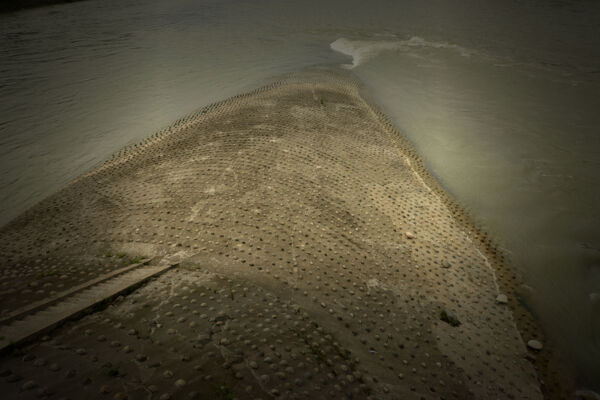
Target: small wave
[{"x": 363, "y": 50}]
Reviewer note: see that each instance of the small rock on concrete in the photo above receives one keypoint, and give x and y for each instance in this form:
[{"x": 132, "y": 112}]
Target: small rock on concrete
[
  {"x": 28, "y": 385},
  {"x": 535, "y": 345},
  {"x": 501, "y": 299},
  {"x": 449, "y": 318}
]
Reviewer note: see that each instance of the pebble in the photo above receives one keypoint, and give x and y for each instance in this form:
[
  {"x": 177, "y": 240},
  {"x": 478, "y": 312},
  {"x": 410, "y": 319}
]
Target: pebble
[
  {"x": 449, "y": 318},
  {"x": 180, "y": 383},
  {"x": 535, "y": 345},
  {"x": 28, "y": 385},
  {"x": 409, "y": 235},
  {"x": 203, "y": 339},
  {"x": 501, "y": 299},
  {"x": 40, "y": 362}
]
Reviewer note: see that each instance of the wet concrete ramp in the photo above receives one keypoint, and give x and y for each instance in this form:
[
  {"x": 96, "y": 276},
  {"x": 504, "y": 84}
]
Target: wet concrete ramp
[{"x": 316, "y": 259}]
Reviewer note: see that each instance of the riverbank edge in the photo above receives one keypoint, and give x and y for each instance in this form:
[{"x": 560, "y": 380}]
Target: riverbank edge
[{"x": 555, "y": 378}]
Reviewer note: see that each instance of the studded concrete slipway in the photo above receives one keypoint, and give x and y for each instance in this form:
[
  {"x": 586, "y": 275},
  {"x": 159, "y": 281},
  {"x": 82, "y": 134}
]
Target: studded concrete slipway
[{"x": 317, "y": 260}]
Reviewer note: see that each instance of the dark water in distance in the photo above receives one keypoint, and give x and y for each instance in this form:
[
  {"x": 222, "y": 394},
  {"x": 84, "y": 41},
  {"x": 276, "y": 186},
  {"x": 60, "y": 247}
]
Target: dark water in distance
[{"x": 502, "y": 99}]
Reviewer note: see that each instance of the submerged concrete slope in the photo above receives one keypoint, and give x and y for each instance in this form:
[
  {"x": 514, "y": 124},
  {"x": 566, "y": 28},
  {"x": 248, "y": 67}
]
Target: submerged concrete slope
[{"x": 315, "y": 263}]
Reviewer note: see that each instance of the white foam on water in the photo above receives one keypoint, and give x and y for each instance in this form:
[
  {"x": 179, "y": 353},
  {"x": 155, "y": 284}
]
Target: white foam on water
[{"x": 362, "y": 51}]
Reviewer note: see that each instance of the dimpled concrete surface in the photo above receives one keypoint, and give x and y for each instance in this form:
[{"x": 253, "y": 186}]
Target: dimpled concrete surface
[{"x": 316, "y": 256}]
